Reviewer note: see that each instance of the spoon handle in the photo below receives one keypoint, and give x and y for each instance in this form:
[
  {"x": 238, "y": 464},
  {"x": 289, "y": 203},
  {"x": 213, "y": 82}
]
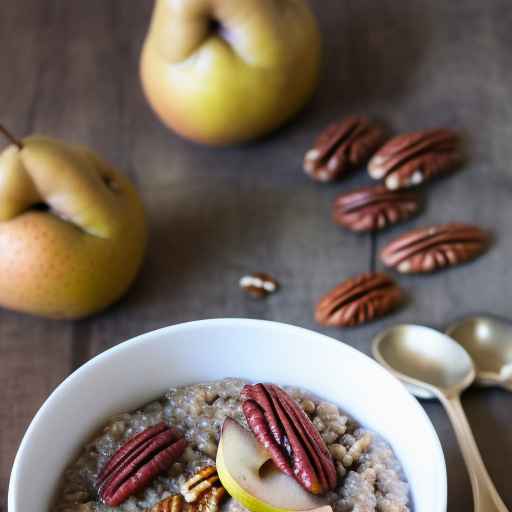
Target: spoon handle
[
  {"x": 485, "y": 496},
  {"x": 507, "y": 385}
]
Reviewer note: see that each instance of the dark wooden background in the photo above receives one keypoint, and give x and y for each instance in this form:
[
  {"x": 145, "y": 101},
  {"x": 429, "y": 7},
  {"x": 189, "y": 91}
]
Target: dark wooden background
[{"x": 69, "y": 69}]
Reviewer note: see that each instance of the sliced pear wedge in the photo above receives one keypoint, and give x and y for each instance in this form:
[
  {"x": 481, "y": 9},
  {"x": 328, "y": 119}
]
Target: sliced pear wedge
[{"x": 248, "y": 474}]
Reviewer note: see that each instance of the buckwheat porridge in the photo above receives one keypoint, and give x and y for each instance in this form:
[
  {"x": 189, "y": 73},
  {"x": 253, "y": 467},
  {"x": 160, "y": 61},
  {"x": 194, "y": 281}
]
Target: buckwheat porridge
[{"x": 369, "y": 476}]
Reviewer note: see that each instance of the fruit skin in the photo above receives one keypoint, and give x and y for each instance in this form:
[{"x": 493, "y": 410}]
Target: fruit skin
[
  {"x": 237, "y": 82},
  {"x": 249, "y": 457},
  {"x": 84, "y": 251}
]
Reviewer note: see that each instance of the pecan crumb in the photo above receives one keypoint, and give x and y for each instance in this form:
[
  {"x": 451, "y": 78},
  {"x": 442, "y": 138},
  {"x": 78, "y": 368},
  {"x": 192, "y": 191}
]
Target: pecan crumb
[{"x": 259, "y": 284}]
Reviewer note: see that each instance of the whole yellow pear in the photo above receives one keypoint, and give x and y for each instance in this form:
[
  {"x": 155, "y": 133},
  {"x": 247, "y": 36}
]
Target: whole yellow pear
[
  {"x": 72, "y": 230},
  {"x": 226, "y": 71}
]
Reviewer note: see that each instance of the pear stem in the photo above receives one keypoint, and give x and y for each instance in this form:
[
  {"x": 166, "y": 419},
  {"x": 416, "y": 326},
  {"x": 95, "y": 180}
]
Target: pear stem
[{"x": 10, "y": 137}]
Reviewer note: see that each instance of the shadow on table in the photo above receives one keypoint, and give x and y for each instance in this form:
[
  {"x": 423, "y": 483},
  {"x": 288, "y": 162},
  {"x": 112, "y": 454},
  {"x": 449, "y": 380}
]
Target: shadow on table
[{"x": 371, "y": 54}]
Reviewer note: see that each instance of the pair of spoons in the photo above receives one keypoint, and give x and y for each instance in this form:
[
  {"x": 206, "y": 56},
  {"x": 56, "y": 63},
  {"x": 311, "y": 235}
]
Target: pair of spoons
[{"x": 436, "y": 365}]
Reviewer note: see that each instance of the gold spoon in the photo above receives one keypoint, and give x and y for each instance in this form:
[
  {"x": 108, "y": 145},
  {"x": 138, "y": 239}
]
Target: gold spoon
[
  {"x": 431, "y": 364},
  {"x": 488, "y": 341}
]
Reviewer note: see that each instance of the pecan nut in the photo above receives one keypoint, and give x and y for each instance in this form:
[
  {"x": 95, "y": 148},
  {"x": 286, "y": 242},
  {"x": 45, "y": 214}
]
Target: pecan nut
[
  {"x": 170, "y": 504},
  {"x": 258, "y": 284},
  {"x": 374, "y": 208},
  {"x": 209, "y": 502},
  {"x": 358, "y": 300},
  {"x": 342, "y": 147},
  {"x": 413, "y": 158},
  {"x": 432, "y": 248},
  {"x": 138, "y": 462},
  {"x": 204, "y": 480},
  {"x": 281, "y": 426}
]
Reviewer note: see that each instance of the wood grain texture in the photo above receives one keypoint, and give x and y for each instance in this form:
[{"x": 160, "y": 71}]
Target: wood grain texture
[{"x": 69, "y": 69}]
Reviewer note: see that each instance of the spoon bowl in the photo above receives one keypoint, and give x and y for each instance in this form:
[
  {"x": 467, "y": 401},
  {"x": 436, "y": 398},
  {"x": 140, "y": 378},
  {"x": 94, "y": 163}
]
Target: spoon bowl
[
  {"x": 488, "y": 340},
  {"x": 431, "y": 364},
  {"x": 426, "y": 360}
]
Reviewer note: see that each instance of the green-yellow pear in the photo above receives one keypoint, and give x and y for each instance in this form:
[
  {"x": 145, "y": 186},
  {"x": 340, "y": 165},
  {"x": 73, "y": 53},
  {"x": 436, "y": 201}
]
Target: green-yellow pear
[
  {"x": 226, "y": 71},
  {"x": 72, "y": 230}
]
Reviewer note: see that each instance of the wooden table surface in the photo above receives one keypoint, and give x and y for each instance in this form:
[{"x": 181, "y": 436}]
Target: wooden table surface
[{"x": 69, "y": 69}]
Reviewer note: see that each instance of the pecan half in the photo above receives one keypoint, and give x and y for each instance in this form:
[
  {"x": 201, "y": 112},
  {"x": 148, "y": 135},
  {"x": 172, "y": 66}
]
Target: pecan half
[
  {"x": 413, "y": 158},
  {"x": 282, "y": 427},
  {"x": 358, "y": 300},
  {"x": 373, "y": 208},
  {"x": 432, "y": 248},
  {"x": 342, "y": 147},
  {"x": 171, "y": 504},
  {"x": 138, "y": 462}
]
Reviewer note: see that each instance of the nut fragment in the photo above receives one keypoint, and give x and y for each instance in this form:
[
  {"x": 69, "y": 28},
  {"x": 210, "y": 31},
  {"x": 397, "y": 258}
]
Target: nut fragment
[
  {"x": 138, "y": 462},
  {"x": 201, "y": 482},
  {"x": 259, "y": 284},
  {"x": 413, "y": 158},
  {"x": 341, "y": 147},
  {"x": 432, "y": 248},
  {"x": 284, "y": 429},
  {"x": 373, "y": 208},
  {"x": 358, "y": 300},
  {"x": 208, "y": 501},
  {"x": 171, "y": 504}
]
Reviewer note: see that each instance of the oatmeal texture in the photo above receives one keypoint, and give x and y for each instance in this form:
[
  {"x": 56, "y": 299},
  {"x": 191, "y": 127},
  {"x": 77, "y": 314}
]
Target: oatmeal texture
[{"x": 370, "y": 476}]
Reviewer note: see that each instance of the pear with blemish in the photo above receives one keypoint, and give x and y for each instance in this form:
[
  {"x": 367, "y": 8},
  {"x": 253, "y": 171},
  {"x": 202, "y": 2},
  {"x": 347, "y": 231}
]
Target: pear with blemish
[
  {"x": 226, "y": 71},
  {"x": 72, "y": 230}
]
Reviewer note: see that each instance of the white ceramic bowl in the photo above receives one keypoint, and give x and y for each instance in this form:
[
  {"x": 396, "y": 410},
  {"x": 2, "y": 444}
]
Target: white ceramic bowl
[{"x": 135, "y": 372}]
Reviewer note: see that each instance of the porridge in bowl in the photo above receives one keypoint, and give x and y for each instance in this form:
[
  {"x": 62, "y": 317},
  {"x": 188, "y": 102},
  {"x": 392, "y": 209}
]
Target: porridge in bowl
[{"x": 162, "y": 457}]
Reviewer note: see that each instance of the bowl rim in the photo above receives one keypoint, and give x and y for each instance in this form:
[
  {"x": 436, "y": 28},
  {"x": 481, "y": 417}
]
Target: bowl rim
[{"x": 146, "y": 337}]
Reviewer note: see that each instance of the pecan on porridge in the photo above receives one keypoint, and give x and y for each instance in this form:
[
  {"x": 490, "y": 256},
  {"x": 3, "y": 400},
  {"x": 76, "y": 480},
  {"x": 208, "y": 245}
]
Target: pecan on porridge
[{"x": 164, "y": 456}]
